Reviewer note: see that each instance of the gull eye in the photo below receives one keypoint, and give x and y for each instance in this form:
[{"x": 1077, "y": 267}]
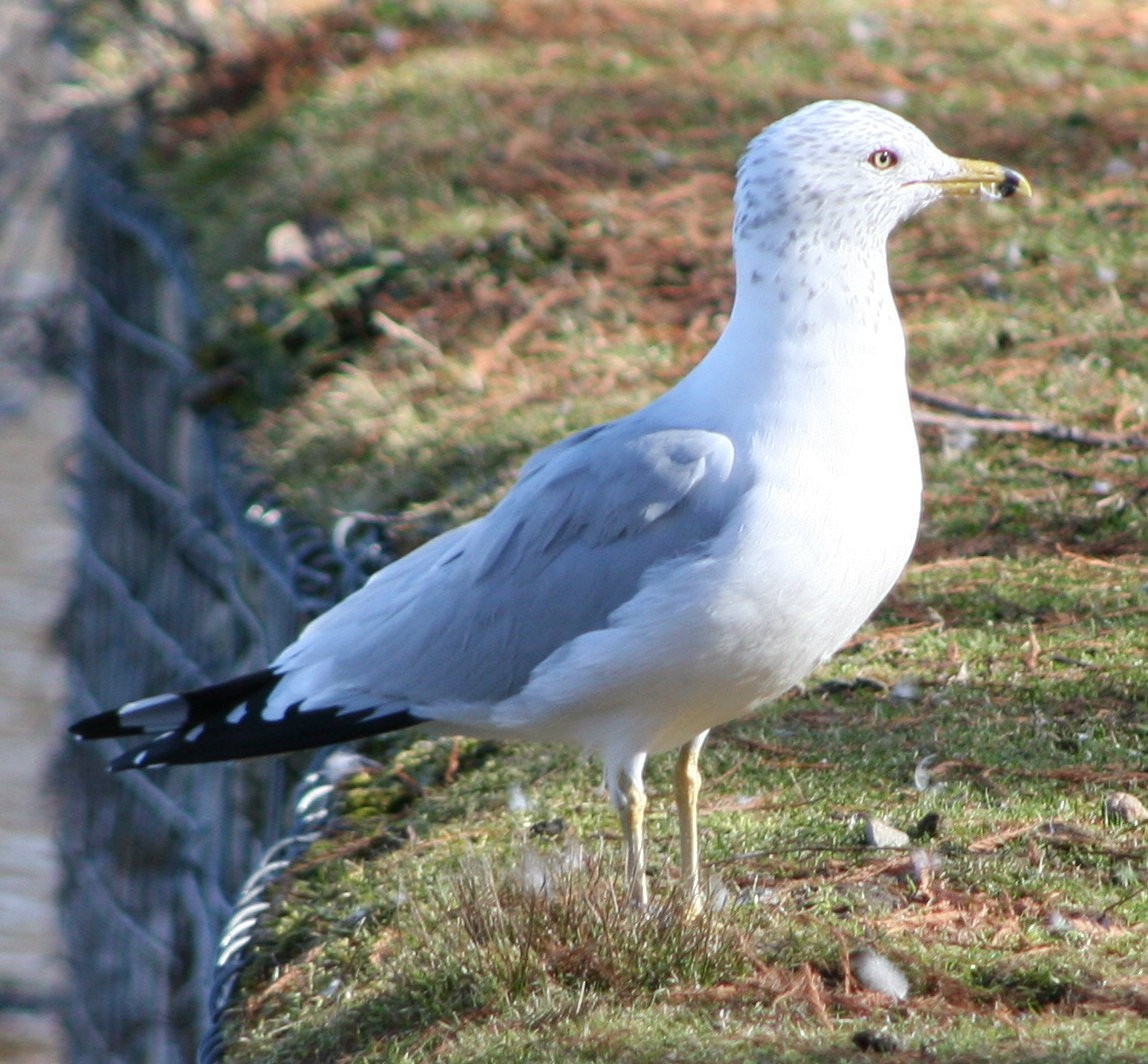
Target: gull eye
[{"x": 883, "y": 159}]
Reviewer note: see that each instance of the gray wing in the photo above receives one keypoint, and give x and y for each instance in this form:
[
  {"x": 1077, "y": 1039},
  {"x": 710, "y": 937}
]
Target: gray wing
[{"x": 468, "y": 616}]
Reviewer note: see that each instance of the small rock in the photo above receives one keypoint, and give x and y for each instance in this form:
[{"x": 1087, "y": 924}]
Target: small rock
[
  {"x": 879, "y": 974},
  {"x": 548, "y": 828},
  {"x": 288, "y": 248},
  {"x": 296, "y": 248},
  {"x": 1126, "y": 808},
  {"x": 875, "y": 1042},
  {"x": 880, "y": 834},
  {"x": 905, "y": 691},
  {"x": 927, "y": 827}
]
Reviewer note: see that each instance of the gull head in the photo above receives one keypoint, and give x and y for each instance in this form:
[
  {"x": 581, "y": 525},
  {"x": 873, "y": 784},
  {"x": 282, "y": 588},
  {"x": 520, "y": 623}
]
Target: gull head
[{"x": 846, "y": 172}]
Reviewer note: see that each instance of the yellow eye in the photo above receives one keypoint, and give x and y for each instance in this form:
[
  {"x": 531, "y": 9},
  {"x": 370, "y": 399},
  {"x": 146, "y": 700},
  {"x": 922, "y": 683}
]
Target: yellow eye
[{"x": 883, "y": 159}]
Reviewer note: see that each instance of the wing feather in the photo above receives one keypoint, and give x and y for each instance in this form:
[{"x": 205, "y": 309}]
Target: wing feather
[{"x": 567, "y": 546}]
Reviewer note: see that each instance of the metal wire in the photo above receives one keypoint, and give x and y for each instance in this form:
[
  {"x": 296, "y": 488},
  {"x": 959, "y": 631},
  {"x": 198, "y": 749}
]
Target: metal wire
[{"x": 188, "y": 572}]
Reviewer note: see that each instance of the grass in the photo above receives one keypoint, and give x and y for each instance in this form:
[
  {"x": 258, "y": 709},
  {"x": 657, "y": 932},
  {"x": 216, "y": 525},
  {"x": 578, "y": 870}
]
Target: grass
[
  {"x": 529, "y": 206},
  {"x": 548, "y": 209},
  {"x": 497, "y": 931}
]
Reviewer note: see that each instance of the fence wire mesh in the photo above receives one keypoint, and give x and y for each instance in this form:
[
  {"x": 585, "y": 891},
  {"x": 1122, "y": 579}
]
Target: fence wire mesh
[{"x": 180, "y": 581}]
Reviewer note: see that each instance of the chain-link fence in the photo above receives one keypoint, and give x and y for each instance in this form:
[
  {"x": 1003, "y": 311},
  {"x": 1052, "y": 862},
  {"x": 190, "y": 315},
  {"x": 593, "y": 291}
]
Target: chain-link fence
[{"x": 180, "y": 581}]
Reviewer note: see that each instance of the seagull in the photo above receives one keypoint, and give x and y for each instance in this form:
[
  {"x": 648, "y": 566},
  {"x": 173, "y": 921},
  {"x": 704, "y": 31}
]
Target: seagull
[{"x": 649, "y": 578}]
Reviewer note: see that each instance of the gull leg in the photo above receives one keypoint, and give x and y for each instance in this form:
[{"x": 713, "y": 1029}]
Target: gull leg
[
  {"x": 687, "y": 783},
  {"x": 629, "y": 797}
]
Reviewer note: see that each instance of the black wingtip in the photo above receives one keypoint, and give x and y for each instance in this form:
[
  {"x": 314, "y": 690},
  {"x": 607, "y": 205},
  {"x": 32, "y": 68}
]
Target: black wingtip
[
  {"x": 169, "y": 712},
  {"x": 107, "y": 725},
  {"x": 135, "y": 758},
  {"x": 198, "y": 726}
]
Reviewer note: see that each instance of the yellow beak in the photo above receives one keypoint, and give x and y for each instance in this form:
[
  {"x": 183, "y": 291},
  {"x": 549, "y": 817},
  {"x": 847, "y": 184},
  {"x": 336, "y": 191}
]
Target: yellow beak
[{"x": 976, "y": 176}]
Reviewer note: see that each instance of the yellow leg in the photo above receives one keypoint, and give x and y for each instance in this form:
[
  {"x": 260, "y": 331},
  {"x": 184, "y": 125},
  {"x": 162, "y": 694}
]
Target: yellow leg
[
  {"x": 687, "y": 784},
  {"x": 630, "y": 799}
]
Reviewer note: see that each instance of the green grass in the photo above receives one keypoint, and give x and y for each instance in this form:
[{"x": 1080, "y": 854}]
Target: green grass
[
  {"x": 484, "y": 936},
  {"x": 547, "y": 203},
  {"x": 540, "y": 193}
]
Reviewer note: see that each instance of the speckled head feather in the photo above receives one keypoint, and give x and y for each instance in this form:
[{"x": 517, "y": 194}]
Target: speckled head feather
[{"x": 840, "y": 169}]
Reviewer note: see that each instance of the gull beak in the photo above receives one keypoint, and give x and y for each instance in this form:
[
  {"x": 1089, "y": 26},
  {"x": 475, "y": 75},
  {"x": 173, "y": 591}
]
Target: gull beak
[{"x": 989, "y": 179}]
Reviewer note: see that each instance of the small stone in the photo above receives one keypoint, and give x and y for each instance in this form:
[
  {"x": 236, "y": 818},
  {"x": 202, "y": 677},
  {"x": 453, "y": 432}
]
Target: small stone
[
  {"x": 927, "y": 827},
  {"x": 905, "y": 691},
  {"x": 885, "y": 836},
  {"x": 879, "y": 974},
  {"x": 1126, "y": 808},
  {"x": 875, "y": 1042},
  {"x": 288, "y": 248}
]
